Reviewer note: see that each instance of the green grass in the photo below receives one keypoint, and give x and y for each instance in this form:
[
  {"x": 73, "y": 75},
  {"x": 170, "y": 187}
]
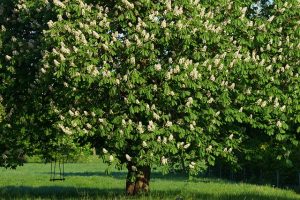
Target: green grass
[{"x": 89, "y": 181}]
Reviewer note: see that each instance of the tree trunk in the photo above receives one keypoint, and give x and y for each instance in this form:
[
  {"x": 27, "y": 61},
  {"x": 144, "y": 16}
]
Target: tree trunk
[{"x": 137, "y": 181}]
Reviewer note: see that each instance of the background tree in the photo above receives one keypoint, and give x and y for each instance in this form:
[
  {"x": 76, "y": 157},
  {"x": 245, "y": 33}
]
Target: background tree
[{"x": 172, "y": 83}]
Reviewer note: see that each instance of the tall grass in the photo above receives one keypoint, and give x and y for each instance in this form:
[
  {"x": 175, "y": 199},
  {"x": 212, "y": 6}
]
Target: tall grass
[{"x": 89, "y": 181}]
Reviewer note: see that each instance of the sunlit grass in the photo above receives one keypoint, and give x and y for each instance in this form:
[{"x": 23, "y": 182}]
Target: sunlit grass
[{"x": 89, "y": 181}]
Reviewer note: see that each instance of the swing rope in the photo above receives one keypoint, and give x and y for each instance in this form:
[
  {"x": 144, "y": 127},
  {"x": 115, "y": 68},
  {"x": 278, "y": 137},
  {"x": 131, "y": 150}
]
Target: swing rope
[{"x": 61, "y": 168}]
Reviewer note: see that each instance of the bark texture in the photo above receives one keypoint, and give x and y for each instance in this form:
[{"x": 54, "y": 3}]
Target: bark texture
[{"x": 137, "y": 181}]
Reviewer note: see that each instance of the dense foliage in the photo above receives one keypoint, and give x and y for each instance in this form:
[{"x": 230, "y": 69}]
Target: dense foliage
[{"x": 151, "y": 83}]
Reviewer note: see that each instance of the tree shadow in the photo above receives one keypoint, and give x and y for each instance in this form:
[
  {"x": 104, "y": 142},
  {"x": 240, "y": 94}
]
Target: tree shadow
[
  {"x": 59, "y": 192},
  {"x": 118, "y": 175},
  {"x": 122, "y": 175}
]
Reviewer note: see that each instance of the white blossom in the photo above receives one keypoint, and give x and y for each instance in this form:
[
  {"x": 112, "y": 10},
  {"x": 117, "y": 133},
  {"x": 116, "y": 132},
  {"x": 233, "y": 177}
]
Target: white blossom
[
  {"x": 71, "y": 113},
  {"x": 56, "y": 63},
  {"x": 180, "y": 144},
  {"x": 88, "y": 125},
  {"x": 65, "y": 50},
  {"x": 3, "y": 28},
  {"x": 241, "y": 109},
  {"x": 111, "y": 158},
  {"x": 15, "y": 53},
  {"x": 133, "y": 168},
  {"x": 128, "y": 158},
  {"x": 263, "y": 104},
  {"x": 282, "y": 109},
  {"x": 164, "y": 160},
  {"x": 156, "y": 116},
  {"x": 269, "y": 68},
  {"x": 232, "y": 86},
  {"x": 154, "y": 88},
  {"x": 279, "y": 124},
  {"x": 106, "y": 73},
  {"x": 271, "y": 18},
  {"x": 209, "y": 148},
  {"x": 4, "y": 156},
  {"x": 168, "y": 124},
  {"x": 128, "y": 4},
  {"x": 179, "y": 26},
  {"x": 189, "y": 102},
  {"x": 7, "y": 57},
  {"x": 158, "y": 139},
  {"x": 62, "y": 57},
  {"x": 194, "y": 74},
  {"x": 151, "y": 126},
  {"x": 259, "y": 101},
  {"x": 59, "y": 3},
  {"x": 178, "y": 10},
  {"x": 144, "y": 144},
  {"x": 192, "y": 127},
  {"x": 287, "y": 66},
  {"x": 169, "y": 4},
  {"x": 191, "y": 166},
  {"x": 61, "y": 117},
  {"x": 276, "y": 103},
  {"x": 66, "y": 130},
  {"x": 210, "y": 100},
  {"x": 172, "y": 93},
  {"x": 140, "y": 128},
  {"x": 50, "y": 24},
  {"x": 163, "y": 24},
  {"x": 75, "y": 49},
  {"x": 186, "y": 145},
  {"x": 153, "y": 107},
  {"x": 165, "y": 140},
  {"x": 104, "y": 151},
  {"x": 196, "y": 2},
  {"x": 76, "y": 113},
  {"x": 127, "y": 43},
  {"x": 168, "y": 75},
  {"x": 177, "y": 69},
  {"x": 105, "y": 47},
  {"x": 157, "y": 67},
  {"x": 96, "y": 35},
  {"x": 132, "y": 60}
]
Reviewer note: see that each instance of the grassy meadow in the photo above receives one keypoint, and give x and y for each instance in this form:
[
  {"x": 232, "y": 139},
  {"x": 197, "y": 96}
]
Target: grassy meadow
[{"x": 89, "y": 181}]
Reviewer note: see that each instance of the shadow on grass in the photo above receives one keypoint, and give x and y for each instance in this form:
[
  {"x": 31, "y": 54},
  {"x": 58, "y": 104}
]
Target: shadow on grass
[
  {"x": 122, "y": 175},
  {"x": 58, "y": 192}
]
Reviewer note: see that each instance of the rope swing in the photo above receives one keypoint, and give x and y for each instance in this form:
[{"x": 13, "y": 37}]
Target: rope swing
[{"x": 57, "y": 164}]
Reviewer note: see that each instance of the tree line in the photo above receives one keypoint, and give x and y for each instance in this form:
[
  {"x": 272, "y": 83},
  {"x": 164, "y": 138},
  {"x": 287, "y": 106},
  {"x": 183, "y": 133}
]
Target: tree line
[{"x": 150, "y": 83}]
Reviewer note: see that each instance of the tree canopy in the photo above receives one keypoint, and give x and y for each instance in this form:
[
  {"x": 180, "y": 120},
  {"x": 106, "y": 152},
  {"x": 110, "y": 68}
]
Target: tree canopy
[{"x": 150, "y": 83}]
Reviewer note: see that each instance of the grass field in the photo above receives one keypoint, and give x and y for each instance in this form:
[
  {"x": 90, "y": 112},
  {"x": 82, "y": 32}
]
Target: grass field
[{"x": 89, "y": 181}]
